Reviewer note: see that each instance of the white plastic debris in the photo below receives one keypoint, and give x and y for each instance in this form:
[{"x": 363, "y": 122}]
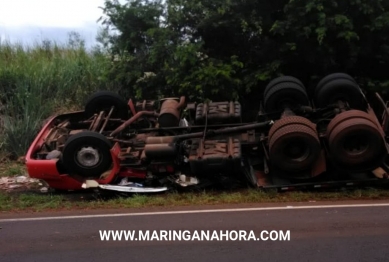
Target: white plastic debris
[
  {"x": 13, "y": 186},
  {"x": 9, "y": 183},
  {"x": 185, "y": 181},
  {"x": 21, "y": 179},
  {"x": 3, "y": 180},
  {"x": 90, "y": 184},
  {"x": 44, "y": 190},
  {"x": 125, "y": 182},
  {"x": 134, "y": 189}
]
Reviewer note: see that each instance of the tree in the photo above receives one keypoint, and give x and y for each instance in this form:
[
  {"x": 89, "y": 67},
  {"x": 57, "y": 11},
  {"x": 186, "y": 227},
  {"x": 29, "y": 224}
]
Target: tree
[{"x": 220, "y": 49}]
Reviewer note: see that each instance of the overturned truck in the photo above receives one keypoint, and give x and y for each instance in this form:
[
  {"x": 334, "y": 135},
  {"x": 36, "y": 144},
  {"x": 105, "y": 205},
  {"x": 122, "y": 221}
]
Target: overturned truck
[{"x": 333, "y": 138}]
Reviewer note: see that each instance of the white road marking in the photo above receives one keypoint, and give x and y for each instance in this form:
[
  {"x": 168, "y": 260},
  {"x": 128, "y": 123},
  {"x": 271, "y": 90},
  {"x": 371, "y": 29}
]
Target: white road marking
[{"x": 192, "y": 212}]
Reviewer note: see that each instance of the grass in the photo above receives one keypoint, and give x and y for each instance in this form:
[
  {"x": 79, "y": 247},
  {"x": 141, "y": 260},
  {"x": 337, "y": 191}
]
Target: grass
[
  {"x": 41, "y": 80},
  {"x": 11, "y": 168},
  {"x": 48, "y": 202}
]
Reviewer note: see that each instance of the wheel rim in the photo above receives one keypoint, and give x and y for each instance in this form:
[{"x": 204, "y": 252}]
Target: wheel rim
[
  {"x": 297, "y": 150},
  {"x": 88, "y": 157},
  {"x": 356, "y": 145}
]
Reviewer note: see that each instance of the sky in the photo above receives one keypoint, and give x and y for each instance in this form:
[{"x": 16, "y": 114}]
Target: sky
[{"x": 29, "y": 21}]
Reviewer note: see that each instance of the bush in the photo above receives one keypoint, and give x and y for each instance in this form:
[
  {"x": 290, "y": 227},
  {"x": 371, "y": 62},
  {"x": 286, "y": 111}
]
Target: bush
[
  {"x": 227, "y": 49},
  {"x": 41, "y": 80}
]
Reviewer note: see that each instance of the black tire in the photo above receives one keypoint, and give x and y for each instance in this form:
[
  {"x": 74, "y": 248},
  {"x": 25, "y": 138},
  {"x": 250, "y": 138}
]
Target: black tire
[
  {"x": 295, "y": 147},
  {"x": 340, "y": 89},
  {"x": 103, "y": 101},
  {"x": 282, "y": 79},
  {"x": 285, "y": 95},
  {"x": 96, "y": 149},
  {"x": 331, "y": 77},
  {"x": 355, "y": 142}
]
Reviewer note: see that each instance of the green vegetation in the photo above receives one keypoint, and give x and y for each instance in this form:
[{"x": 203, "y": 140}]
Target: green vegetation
[
  {"x": 38, "y": 81},
  {"x": 220, "y": 49},
  {"x": 11, "y": 168},
  {"x": 39, "y": 202}
]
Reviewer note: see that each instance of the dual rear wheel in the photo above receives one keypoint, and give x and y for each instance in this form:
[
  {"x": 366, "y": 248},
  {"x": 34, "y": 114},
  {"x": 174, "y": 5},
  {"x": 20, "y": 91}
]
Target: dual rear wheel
[
  {"x": 288, "y": 91},
  {"x": 294, "y": 144},
  {"x": 355, "y": 140},
  {"x": 338, "y": 87}
]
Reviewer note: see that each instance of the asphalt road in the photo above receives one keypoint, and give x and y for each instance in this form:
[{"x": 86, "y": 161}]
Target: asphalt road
[{"x": 317, "y": 234}]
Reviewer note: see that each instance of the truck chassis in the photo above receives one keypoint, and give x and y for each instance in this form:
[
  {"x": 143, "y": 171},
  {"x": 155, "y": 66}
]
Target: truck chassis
[{"x": 333, "y": 138}]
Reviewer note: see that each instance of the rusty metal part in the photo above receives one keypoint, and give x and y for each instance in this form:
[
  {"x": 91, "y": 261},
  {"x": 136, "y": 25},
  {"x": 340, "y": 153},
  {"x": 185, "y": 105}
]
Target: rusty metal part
[
  {"x": 97, "y": 123},
  {"x": 61, "y": 140},
  {"x": 385, "y": 120},
  {"x": 262, "y": 178},
  {"x": 209, "y": 155},
  {"x": 132, "y": 120},
  {"x": 262, "y": 142},
  {"x": 160, "y": 150},
  {"x": 169, "y": 115},
  {"x": 51, "y": 134},
  {"x": 161, "y": 139},
  {"x": 132, "y": 107},
  {"x": 92, "y": 122},
  {"x": 106, "y": 120},
  {"x": 265, "y": 165},
  {"x": 228, "y": 130},
  {"x": 210, "y": 148},
  {"x": 218, "y": 112},
  {"x": 181, "y": 103},
  {"x": 64, "y": 124},
  {"x": 145, "y": 105},
  {"x": 76, "y": 131},
  {"x": 374, "y": 118}
]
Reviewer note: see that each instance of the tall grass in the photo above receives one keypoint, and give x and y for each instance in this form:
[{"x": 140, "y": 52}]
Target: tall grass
[{"x": 40, "y": 80}]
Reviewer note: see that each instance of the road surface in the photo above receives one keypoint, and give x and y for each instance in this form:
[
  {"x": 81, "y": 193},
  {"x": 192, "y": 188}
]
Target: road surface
[{"x": 346, "y": 233}]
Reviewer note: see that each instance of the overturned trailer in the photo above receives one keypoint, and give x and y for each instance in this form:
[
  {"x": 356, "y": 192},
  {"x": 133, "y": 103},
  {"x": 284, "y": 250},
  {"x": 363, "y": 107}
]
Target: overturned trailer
[{"x": 330, "y": 139}]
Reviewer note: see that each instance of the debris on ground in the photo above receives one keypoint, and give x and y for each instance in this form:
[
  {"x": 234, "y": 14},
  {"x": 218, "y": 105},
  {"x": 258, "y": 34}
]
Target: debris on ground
[{"x": 20, "y": 182}]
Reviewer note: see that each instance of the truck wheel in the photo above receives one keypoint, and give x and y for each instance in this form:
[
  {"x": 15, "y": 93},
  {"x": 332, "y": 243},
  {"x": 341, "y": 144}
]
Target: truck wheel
[
  {"x": 293, "y": 145},
  {"x": 103, "y": 101},
  {"x": 87, "y": 154},
  {"x": 332, "y": 77},
  {"x": 282, "y": 95},
  {"x": 282, "y": 79},
  {"x": 339, "y": 89},
  {"x": 291, "y": 120},
  {"x": 355, "y": 141}
]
